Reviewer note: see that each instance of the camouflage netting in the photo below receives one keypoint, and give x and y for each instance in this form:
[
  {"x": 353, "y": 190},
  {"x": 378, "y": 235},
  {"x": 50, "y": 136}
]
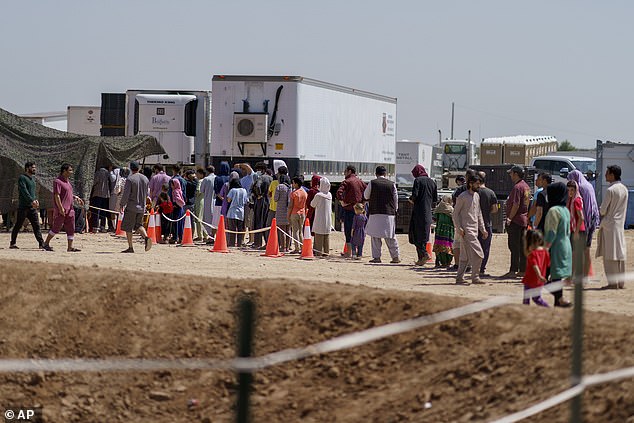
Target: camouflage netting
[{"x": 22, "y": 140}]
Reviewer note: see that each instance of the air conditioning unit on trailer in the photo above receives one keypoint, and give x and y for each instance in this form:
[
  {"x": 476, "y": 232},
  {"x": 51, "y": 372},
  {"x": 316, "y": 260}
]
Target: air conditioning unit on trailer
[{"x": 250, "y": 128}]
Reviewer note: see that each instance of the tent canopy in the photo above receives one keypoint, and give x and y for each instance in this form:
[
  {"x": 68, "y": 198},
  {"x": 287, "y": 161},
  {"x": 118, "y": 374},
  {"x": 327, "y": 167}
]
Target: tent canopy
[{"x": 24, "y": 141}]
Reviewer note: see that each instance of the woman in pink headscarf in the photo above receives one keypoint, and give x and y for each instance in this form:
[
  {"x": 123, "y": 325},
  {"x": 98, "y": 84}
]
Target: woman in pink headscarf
[{"x": 577, "y": 229}]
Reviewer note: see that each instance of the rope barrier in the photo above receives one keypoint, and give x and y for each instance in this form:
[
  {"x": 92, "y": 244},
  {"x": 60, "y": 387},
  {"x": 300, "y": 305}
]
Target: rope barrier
[
  {"x": 251, "y": 364},
  {"x": 335, "y": 344},
  {"x": 258, "y": 363},
  {"x": 568, "y": 394},
  {"x": 250, "y": 231},
  {"x": 174, "y": 221},
  {"x": 111, "y": 211}
]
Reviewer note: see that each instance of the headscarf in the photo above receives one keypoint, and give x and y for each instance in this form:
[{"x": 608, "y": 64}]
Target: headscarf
[
  {"x": 324, "y": 188},
  {"x": 234, "y": 182},
  {"x": 444, "y": 207},
  {"x": 591, "y": 215},
  {"x": 314, "y": 182},
  {"x": 238, "y": 171},
  {"x": 570, "y": 203},
  {"x": 221, "y": 179},
  {"x": 177, "y": 193},
  {"x": 224, "y": 169},
  {"x": 557, "y": 194},
  {"x": 285, "y": 179},
  {"x": 419, "y": 170}
]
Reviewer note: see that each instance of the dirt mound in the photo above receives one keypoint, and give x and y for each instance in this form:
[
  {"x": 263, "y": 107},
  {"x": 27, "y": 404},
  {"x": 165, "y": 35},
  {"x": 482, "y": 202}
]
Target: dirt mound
[{"x": 469, "y": 369}]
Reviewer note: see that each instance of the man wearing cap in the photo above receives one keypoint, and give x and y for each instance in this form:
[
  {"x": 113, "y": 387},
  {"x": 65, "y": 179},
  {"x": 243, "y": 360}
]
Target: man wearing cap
[
  {"x": 135, "y": 193},
  {"x": 517, "y": 221}
]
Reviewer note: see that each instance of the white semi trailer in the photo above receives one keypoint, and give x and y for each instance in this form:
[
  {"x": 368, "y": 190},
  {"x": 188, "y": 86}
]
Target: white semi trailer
[
  {"x": 178, "y": 119},
  {"x": 314, "y": 126}
]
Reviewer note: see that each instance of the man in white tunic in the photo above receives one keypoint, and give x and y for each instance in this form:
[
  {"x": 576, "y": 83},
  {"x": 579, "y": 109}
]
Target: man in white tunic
[
  {"x": 611, "y": 238},
  {"x": 207, "y": 189},
  {"x": 383, "y": 204},
  {"x": 467, "y": 219}
]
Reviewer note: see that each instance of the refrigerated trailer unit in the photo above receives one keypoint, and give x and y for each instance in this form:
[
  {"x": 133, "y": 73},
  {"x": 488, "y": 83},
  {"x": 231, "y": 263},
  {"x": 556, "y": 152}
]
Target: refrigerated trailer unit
[
  {"x": 178, "y": 119},
  {"x": 314, "y": 126}
]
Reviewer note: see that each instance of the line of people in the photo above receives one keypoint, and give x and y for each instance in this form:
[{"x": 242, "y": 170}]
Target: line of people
[{"x": 549, "y": 240}]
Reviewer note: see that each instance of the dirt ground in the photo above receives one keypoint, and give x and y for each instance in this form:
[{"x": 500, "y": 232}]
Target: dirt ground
[{"x": 178, "y": 302}]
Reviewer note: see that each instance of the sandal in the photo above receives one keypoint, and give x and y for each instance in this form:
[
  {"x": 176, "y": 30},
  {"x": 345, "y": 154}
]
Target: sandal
[{"x": 73, "y": 250}]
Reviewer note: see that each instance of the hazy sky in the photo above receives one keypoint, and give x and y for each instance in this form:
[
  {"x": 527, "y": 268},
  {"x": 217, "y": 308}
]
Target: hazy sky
[{"x": 562, "y": 68}]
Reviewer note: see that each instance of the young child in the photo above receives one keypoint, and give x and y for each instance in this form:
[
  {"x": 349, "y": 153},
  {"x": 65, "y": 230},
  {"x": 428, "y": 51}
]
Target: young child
[
  {"x": 322, "y": 223},
  {"x": 444, "y": 233},
  {"x": 358, "y": 231},
  {"x": 165, "y": 206},
  {"x": 537, "y": 262}
]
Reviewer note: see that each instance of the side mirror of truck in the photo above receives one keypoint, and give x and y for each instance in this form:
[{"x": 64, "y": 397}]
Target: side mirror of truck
[{"x": 563, "y": 172}]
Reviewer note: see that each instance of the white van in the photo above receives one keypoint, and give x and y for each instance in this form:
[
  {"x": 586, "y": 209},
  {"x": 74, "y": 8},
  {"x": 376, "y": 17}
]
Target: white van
[{"x": 560, "y": 166}]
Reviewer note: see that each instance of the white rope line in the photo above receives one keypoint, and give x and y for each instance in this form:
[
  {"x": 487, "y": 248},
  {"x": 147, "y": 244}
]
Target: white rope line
[
  {"x": 250, "y": 231},
  {"x": 105, "y": 210},
  {"x": 250, "y": 364},
  {"x": 111, "y": 211},
  {"x": 174, "y": 221},
  {"x": 586, "y": 382}
]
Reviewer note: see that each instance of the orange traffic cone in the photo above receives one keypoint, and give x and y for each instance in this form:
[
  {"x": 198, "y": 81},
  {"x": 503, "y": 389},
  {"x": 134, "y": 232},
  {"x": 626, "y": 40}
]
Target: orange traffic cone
[
  {"x": 307, "y": 243},
  {"x": 590, "y": 270},
  {"x": 188, "y": 241},
  {"x": 157, "y": 226},
  {"x": 272, "y": 246},
  {"x": 220, "y": 243},
  {"x": 119, "y": 232},
  {"x": 429, "y": 249},
  {"x": 345, "y": 249},
  {"x": 151, "y": 228}
]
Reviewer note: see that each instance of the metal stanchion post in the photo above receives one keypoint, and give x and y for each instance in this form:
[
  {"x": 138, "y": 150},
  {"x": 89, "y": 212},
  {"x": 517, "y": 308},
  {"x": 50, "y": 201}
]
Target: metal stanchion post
[
  {"x": 245, "y": 343},
  {"x": 577, "y": 342}
]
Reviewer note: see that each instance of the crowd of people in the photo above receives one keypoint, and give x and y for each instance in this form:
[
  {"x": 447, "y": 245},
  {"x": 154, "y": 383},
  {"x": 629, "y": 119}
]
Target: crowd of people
[{"x": 549, "y": 232}]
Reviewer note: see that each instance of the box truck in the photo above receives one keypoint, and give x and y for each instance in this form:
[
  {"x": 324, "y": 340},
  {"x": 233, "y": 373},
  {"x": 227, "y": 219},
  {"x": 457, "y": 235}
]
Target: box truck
[
  {"x": 178, "y": 119},
  {"x": 410, "y": 153},
  {"x": 313, "y": 126}
]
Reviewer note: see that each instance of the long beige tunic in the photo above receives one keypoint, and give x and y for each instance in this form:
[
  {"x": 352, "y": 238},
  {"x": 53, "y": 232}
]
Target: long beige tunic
[
  {"x": 611, "y": 244},
  {"x": 468, "y": 216}
]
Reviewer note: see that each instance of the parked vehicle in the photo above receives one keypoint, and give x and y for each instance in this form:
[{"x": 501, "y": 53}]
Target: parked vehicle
[
  {"x": 314, "y": 126},
  {"x": 409, "y": 154},
  {"x": 559, "y": 167},
  {"x": 178, "y": 119}
]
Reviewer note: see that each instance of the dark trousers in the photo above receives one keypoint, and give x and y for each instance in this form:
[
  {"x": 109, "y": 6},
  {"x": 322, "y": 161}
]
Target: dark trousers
[
  {"x": 30, "y": 214},
  {"x": 348, "y": 219},
  {"x": 559, "y": 294},
  {"x": 516, "y": 246},
  {"x": 99, "y": 217},
  {"x": 486, "y": 248},
  {"x": 237, "y": 226}
]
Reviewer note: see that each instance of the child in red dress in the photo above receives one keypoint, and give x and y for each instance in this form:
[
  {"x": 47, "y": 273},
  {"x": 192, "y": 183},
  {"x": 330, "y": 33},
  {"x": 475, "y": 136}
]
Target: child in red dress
[{"x": 537, "y": 263}]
